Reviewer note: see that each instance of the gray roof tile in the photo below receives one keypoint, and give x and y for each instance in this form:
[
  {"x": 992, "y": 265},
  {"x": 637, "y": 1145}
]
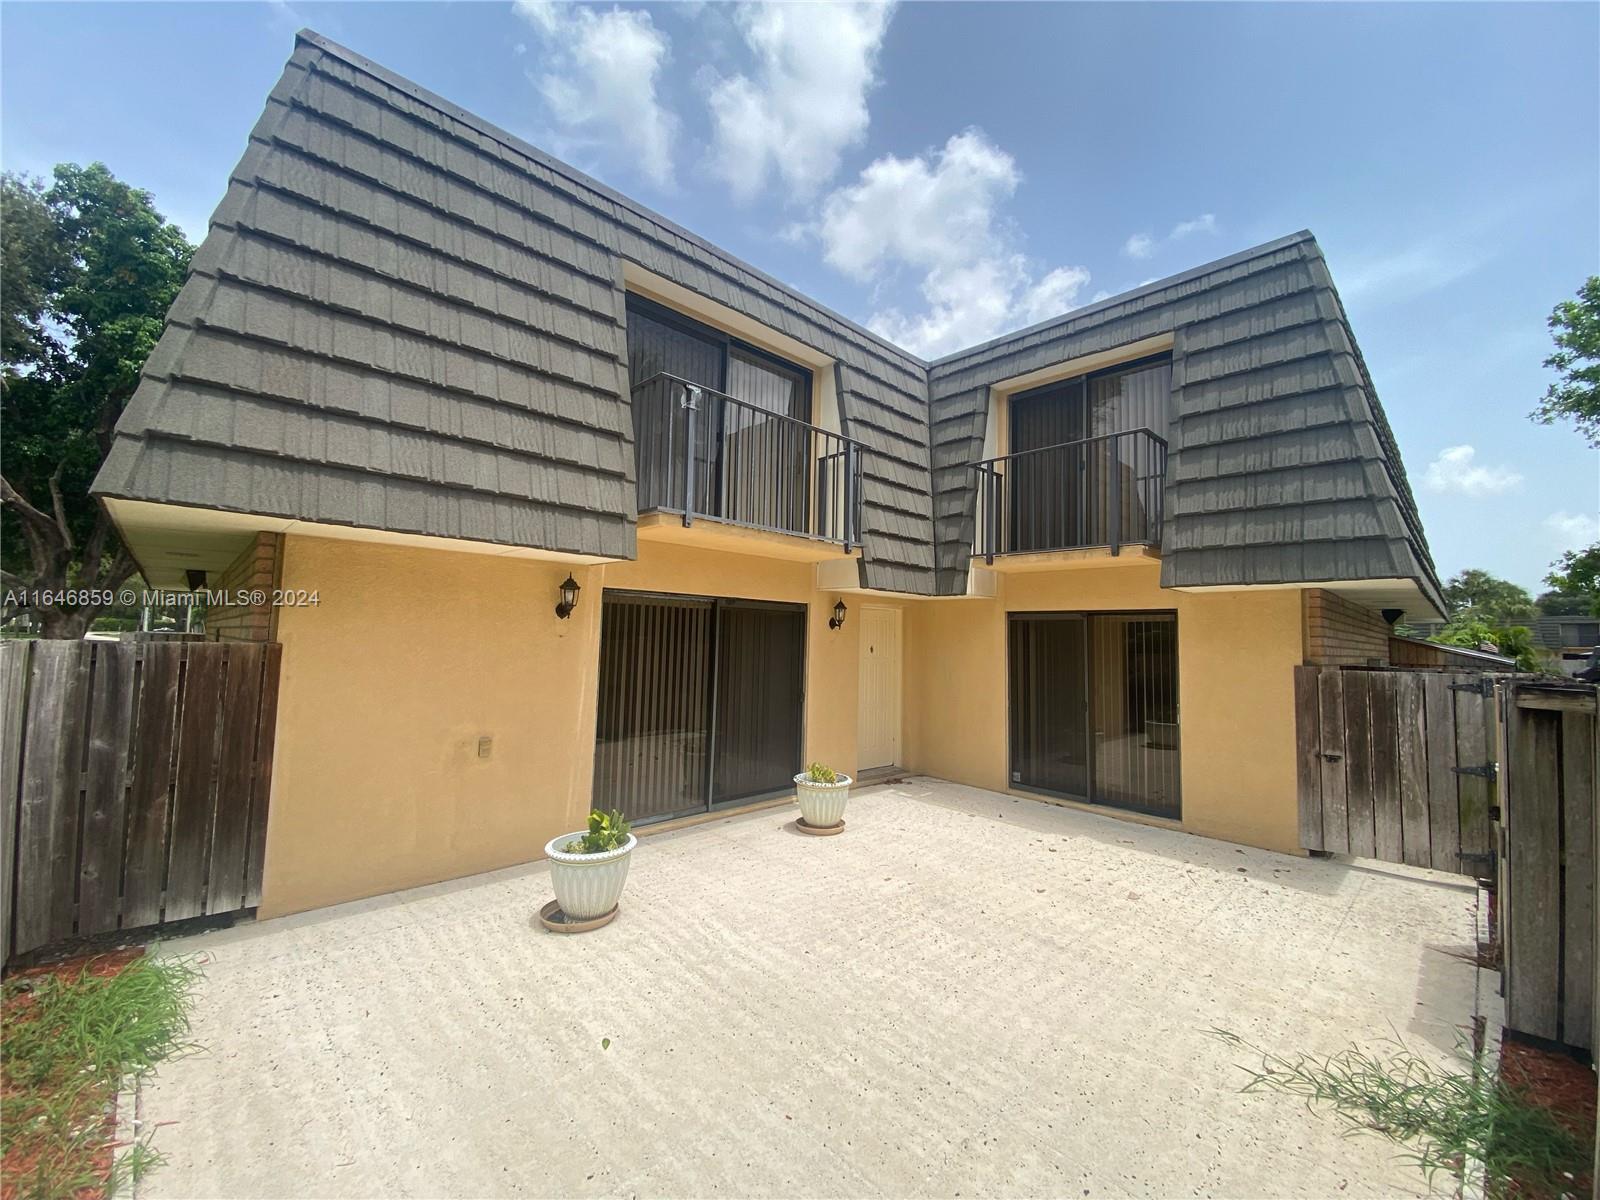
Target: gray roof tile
[{"x": 405, "y": 319}]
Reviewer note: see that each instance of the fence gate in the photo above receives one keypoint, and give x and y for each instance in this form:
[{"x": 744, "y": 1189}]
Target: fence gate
[
  {"x": 1397, "y": 765},
  {"x": 1547, "y": 871},
  {"x": 135, "y": 779}
]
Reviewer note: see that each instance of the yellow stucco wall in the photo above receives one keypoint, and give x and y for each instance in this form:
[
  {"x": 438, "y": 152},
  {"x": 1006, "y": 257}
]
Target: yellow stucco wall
[
  {"x": 1236, "y": 657},
  {"x": 412, "y": 655}
]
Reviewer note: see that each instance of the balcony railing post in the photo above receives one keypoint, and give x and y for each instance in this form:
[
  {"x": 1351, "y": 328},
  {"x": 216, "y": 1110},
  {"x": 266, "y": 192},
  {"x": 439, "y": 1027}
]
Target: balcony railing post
[
  {"x": 851, "y": 494},
  {"x": 691, "y": 404},
  {"x": 1115, "y": 515}
]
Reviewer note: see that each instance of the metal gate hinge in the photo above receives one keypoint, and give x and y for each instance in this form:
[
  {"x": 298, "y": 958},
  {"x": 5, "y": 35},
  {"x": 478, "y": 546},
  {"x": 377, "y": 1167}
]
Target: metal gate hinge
[
  {"x": 1483, "y": 687},
  {"x": 1486, "y": 771}
]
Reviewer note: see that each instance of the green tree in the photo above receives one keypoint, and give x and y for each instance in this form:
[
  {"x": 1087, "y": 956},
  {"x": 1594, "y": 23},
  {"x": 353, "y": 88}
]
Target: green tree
[
  {"x": 1474, "y": 633},
  {"x": 88, "y": 272},
  {"x": 1478, "y": 595},
  {"x": 1577, "y": 573},
  {"x": 1575, "y": 395},
  {"x": 1567, "y": 604}
]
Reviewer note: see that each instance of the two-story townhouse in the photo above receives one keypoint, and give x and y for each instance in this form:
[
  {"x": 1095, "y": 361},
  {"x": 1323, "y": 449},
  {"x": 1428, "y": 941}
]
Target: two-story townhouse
[{"x": 427, "y": 376}]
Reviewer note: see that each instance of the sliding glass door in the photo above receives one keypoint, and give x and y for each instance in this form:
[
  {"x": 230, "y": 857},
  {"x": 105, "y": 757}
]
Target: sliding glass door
[
  {"x": 701, "y": 702},
  {"x": 1094, "y": 708}
]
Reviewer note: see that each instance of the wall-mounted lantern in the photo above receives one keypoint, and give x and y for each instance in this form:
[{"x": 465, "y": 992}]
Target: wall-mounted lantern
[
  {"x": 838, "y": 615},
  {"x": 569, "y": 597}
]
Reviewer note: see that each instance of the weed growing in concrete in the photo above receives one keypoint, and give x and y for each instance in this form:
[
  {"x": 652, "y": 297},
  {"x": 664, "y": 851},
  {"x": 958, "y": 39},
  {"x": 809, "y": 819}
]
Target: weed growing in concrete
[{"x": 1445, "y": 1119}]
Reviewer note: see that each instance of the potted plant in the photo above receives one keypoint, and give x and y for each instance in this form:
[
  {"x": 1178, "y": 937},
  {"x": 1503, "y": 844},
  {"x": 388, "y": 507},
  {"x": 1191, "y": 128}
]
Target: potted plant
[
  {"x": 822, "y": 792},
  {"x": 588, "y": 869}
]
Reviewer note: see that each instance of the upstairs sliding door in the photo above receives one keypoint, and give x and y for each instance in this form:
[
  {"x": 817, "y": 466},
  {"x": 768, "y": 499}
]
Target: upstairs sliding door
[
  {"x": 701, "y": 702},
  {"x": 1094, "y": 708}
]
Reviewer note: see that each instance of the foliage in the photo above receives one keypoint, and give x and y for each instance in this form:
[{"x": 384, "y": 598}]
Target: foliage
[
  {"x": 607, "y": 831},
  {"x": 1487, "y": 597},
  {"x": 1578, "y": 573},
  {"x": 89, "y": 269},
  {"x": 1515, "y": 641},
  {"x": 1575, "y": 396},
  {"x": 1444, "y": 1118},
  {"x": 819, "y": 773},
  {"x": 1568, "y": 604},
  {"x": 70, "y": 1041}
]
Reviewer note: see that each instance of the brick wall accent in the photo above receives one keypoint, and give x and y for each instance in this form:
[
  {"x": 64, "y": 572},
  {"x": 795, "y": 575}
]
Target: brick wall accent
[
  {"x": 1342, "y": 633},
  {"x": 256, "y": 569}
]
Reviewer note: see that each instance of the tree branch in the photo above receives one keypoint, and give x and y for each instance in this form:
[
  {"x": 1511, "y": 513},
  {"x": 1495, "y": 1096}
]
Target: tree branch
[
  {"x": 59, "y": 504},
  {"x": 19, "y": 504}
]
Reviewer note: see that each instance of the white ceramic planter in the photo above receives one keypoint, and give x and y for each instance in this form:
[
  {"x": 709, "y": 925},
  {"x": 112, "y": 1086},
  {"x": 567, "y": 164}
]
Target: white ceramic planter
[
  {"x": 822, "y": 804},
  {"x": 588, "y": 885}
]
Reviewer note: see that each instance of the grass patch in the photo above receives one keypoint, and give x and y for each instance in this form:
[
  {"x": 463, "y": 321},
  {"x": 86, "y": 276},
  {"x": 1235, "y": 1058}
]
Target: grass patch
[
  {"x": 1443, "y": 1118},
  {"x": 70, "y": 1040}
]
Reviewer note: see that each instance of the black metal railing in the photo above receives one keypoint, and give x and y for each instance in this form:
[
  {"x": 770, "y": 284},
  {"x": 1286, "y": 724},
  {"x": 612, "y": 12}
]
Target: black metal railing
[
  {"x": 705, "y": 454},
  {"x": 1101, "y": 491}
]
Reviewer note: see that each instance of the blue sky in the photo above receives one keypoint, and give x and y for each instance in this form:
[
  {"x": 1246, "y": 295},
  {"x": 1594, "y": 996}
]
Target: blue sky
[{"x": 945, "y": 172}]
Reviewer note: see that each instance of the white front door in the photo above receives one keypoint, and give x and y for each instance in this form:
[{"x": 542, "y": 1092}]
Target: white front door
[{"x": 879, "y": 737}]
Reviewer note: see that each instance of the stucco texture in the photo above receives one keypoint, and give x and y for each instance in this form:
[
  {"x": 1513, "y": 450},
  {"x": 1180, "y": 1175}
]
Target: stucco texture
[
  {"x": 1236, "y": 654},
  {"x": 411, "y": 656}
]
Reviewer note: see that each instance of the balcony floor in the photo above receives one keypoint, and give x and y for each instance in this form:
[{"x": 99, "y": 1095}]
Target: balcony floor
[
  {"x": 1059, "y": 560},
  {"x": 709, "y": 533}
]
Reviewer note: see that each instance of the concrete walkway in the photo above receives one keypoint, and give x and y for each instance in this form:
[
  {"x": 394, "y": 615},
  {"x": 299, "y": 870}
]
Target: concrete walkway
[{"x": 964, "y": 994}]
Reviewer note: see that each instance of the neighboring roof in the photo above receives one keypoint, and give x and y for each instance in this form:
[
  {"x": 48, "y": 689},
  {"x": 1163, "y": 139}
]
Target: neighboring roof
[
  {"x": 406, "y": 319},
  {"x": 1556, "y": 633},
  {"x": 1459, "y": 652}
]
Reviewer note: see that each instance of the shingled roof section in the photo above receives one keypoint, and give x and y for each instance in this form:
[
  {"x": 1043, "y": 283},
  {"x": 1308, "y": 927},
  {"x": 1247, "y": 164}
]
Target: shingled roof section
[
  {"x": 1282, "y": 466},
  {"x": 405, "y": 319}
]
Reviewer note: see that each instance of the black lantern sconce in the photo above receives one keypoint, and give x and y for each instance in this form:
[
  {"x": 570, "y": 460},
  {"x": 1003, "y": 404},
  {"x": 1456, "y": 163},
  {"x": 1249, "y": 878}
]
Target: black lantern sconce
[
  {"x": 838, "y": 615},
  {"x": 569, "y": 597}
]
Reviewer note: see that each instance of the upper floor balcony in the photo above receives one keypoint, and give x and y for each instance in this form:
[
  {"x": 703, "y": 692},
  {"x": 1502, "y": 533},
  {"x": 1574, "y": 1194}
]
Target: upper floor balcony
[
  {"x": 1102, "y": 492},
  {"x": 703, "y": 454}
]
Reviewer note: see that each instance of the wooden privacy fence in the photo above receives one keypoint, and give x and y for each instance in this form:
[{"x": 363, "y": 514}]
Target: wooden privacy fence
[
  {"x": 1547, "y": 882},
  {"x": 135, "y": 779},
  {"x": 1397, "y": 765}
]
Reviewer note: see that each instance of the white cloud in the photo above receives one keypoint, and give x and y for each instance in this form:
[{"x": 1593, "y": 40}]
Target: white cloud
[
  {"x": 1204, "y": 223},
  {"x": 1456, "y": 469},
  {"x": 1414, "y": 270},
  {"x": 1140, "y": 245},
  {"x": 1573, "y": 531},
  {"x": 807, "y": 101},
  {"x": 602, "y": 70},
  {"x": 938, "y": 214},
  {"x": 1145, "y": 245}
]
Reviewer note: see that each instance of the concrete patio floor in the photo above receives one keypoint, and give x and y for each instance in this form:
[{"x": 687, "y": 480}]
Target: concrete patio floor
[{"x": 965, "y": 993}]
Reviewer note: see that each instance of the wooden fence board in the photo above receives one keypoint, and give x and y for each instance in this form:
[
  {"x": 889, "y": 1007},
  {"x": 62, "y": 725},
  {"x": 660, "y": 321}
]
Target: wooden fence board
[
  {"x": 194, "y": 785},
  {"x": 1533, "y": 816},
  {"x": 149, "y": 800},
  {"x": 14, "y": 660},
  {"x": 1358, "y": 762},
  {"x": 105, "y": 798},
  {"x": 241, "y": 707},
  {"x": 1412, "y": 762},
  {"x": 52, "y": 776},
  {"x": 1335, "y": 815},
  {"x": 1308, "y": 760},
  {"x": 1578, "y": 878},
  {"x": 1388, "y": 839},
  {"x": 261, "y": 785},
  {"x": 1474, "y": 748},
  {"x": 1444, "y": 811}
]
